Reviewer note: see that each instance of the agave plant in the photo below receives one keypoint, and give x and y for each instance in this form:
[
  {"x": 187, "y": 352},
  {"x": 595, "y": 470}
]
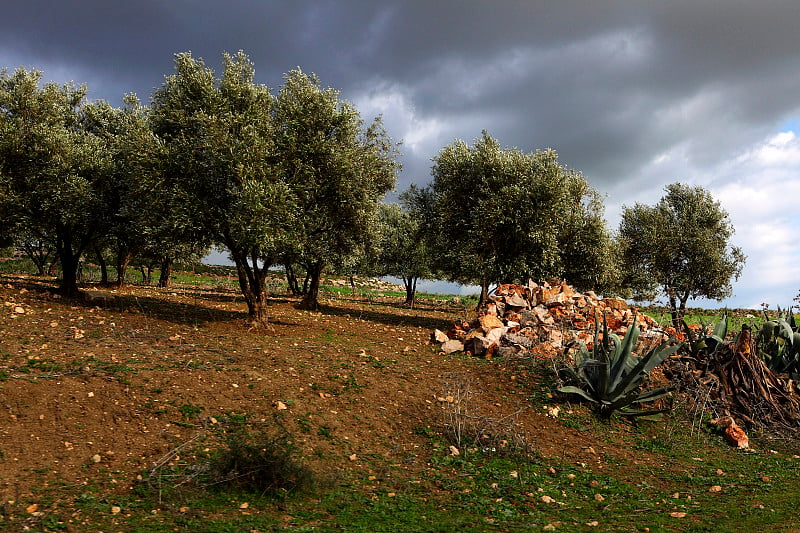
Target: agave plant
[
  {"x": 611, "y": 376},
  {"x": 779, "y": 343},
  {"x": 704, "y": 345}
]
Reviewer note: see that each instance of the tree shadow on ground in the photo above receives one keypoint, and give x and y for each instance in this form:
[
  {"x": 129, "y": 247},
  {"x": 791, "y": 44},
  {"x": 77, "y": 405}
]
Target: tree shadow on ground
[
  {"x": 162, "y": 308},
  {"x": 386, "y": 317},
  {"x": 194, "y": 312}
]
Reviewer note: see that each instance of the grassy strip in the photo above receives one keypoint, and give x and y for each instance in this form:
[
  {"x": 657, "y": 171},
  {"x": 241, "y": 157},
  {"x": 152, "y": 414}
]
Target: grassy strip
[{"x": 672, "y": 481}]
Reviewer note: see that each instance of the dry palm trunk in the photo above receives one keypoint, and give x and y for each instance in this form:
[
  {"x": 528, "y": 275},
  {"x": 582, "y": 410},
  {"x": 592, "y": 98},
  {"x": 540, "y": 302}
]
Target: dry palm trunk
[{"x": 750, "y": 390}]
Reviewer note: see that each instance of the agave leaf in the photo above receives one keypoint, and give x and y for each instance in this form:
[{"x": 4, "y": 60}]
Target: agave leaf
[
  {"x": 716, "y": 338},
  {"x": 795, "y": 343},
  {"x": 646, "y": 363},
  {"x": 579, "y": 354},
  {"x": 596, "y": 330},
  {"x": 721, "y": 328},
  {"x": 784, "y": 330},
  {"x": 653, "y": 415},
  {"x": 619, "y": 401},
  {"x": 573, "y": 374},
  {"x": 582, "y": 355},
  {"x": 655, "y": 394},
  {"x": 601, "y": 355},
  {"x": 570, "y": 389},
  {"x": 689, "y": 332},
  {"x": 624, "y": 351},
  {"x": 648, "y": 396},
  {"x": 605, "y": 339},
  {"x": 768, "y": 330}
]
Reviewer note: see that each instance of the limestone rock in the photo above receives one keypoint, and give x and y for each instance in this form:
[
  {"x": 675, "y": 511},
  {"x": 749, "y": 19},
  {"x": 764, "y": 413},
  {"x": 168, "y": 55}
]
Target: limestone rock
[{"x": 453, "y": 345}]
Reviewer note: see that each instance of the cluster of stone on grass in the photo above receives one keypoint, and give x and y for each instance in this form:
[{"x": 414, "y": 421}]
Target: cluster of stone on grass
[{"x": 541, "y": 318}]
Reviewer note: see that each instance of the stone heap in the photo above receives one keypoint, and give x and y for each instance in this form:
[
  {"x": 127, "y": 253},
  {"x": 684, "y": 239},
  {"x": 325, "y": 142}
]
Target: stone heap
[{"x": 541, "y": 319}]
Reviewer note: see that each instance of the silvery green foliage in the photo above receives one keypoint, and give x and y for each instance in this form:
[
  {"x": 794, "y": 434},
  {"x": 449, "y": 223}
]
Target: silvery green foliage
[
  {"x": 289, "y": 175},
  {"x": 502, "y": 215},
  {"x": 402, "y": 250},
  {"x": 778, "y": 343},
  {"x": 701, "y": 346},
  {"x": 680, "y": 247},
  {"x": 54, "y": 172},
  {"x": 219, "y": 164},
  {"x": 336, "y": 169}
]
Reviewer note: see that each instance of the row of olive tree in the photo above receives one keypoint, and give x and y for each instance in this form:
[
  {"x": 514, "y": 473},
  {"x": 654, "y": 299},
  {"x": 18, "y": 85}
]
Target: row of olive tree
[
  {"x": 494, "y": 215},
  {"x": 293, "y": 177},
  {"x": 77, "y": 177},
  {"x": 296, "y": 178}
]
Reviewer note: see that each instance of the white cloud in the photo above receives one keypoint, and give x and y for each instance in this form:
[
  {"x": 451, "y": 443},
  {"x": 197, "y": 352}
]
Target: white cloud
[
  {"x": 782, "y": 149},
  {"x": 760, "y": 190},
  {"x": 400, "y": 117}
]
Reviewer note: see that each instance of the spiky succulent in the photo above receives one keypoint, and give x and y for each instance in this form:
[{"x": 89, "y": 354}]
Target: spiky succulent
[
  {"x": 611, "y": 376},
  {"x": 703, "y": 345},
  {"x": 779, "y": 343}
]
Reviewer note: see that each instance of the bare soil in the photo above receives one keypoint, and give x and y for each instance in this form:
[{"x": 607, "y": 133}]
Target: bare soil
[{"x": 97, "y": 392}]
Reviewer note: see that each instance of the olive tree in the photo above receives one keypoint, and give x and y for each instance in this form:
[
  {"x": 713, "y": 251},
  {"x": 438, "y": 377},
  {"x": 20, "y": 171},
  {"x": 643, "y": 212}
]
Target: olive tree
[
  {"x": 402, "y": 251},
  {"x": 220, "y": 166},
  {"x": 337, "y": 171},
  {"x": 128, "y": 192},
  {"x": 502, "y": 215},
  {"x": 52, "y": 170},
  {"x": 680, "y": 246},
  {"x": 588, "y": 254}
]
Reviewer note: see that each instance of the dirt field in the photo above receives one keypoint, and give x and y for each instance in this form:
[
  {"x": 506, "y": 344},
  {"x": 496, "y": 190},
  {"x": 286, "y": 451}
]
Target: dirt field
[{"x": 95, "y": 394}]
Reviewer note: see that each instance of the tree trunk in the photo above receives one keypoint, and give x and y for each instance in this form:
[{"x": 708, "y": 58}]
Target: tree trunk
[
  {"x": 311, "y": 299},
  {"x": 673, "y": 310},
  {"x": 123, "y": 260},
  {"x": 410, "y": 284},
  {"x": 38, "y": 253},
  {"x": 166, "y": 271},
  {"x": 52, "y": 268},
  {"x": 291, "y": 279},
  {"x": 69, "y": 277},
  {"x": 69, "y": 254},
  {"x": 252, "y": 280},
  {"x": 69, "y": 263},
  {"x": 484, "y": 293},
  {"x": 38, "y": 260},
  {"x": 103, "y": 267},
  {"x": 39, "y": 267},
  {"x": 251, "y": 290},
  {"x": 682, "y": 308}
]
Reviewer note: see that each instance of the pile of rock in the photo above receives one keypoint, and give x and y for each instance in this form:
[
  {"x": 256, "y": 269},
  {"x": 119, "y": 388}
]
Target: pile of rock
[{"x": 542, "y": 318}]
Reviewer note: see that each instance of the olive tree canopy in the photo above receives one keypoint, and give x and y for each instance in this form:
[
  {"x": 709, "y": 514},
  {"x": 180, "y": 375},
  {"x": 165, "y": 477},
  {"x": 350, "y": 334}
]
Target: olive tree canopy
[
  {"x": 336, "y": 169},
  {"x": 502, "y": 215},
  {"x": 220, "y": 166},
  {"x": 680, "y": 246},
  {"x": 53, "y": 172},
  {"x": 402, "y": 251}
]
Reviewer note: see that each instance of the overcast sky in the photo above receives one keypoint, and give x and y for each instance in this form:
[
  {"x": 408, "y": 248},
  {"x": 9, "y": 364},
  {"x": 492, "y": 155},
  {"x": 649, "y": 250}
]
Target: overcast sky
[{"x": 634, "y": 94}]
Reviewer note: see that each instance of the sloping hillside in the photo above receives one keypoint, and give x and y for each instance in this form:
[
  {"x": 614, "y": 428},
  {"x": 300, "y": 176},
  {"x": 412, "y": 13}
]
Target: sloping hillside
[{"x": 112, "y": 407}]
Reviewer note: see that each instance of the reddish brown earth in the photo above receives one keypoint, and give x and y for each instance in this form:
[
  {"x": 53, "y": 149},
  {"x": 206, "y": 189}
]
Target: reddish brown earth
[{"x": 97, "y": 394}]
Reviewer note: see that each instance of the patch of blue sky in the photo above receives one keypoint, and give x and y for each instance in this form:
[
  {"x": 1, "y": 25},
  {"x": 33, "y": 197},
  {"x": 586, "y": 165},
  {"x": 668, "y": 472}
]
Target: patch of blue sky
[{"x": 792, "y": 124}]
